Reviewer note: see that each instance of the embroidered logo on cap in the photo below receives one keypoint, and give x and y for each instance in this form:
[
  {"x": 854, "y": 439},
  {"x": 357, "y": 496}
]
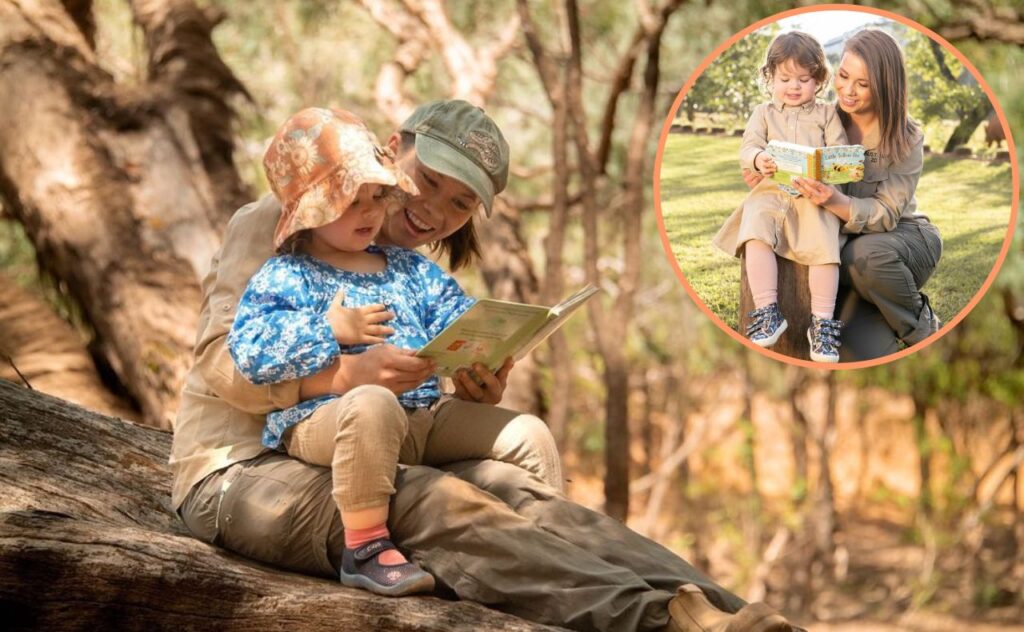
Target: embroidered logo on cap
[{"x": 483, "y": 147}]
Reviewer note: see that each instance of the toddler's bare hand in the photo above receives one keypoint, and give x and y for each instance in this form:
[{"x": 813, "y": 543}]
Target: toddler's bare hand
[
  {"x": 765, "y": 164},
  {"x": 358, "y": 325}
]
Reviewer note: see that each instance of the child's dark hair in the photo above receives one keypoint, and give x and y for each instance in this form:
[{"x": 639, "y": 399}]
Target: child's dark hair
[
  {"x": 463, "y": 245},
  {"x": 803, "y": 50},
  {"x": 295, "y": 244}
]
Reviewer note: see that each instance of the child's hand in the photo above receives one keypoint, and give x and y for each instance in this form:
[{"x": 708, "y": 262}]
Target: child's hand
[
  {"x": 358, "y": 325},
  {"x": 764, "y": 163}
]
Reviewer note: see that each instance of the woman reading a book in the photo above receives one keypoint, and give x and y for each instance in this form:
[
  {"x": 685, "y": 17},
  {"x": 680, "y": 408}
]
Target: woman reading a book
[
  {"x": 488, "y": 531},
  {"x": 892, "y": 249}
]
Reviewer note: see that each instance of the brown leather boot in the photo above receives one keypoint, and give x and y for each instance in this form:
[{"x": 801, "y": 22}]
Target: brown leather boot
[{"x": 690, "y": 611}]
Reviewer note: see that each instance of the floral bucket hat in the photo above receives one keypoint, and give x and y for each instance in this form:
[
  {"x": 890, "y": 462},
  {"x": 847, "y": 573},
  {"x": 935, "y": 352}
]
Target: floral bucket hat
[{"x": 316, "y": 163}]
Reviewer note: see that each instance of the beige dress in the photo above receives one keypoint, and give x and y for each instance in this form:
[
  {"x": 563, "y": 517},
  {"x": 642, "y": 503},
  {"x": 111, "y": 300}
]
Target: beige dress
[{"x": 793, "y": 227}]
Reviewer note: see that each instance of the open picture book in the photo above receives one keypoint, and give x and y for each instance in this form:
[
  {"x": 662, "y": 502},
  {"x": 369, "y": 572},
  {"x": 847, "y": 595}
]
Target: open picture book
[
  {"x": 832, "y": 165},
  {"x": 493, "y": 330}
]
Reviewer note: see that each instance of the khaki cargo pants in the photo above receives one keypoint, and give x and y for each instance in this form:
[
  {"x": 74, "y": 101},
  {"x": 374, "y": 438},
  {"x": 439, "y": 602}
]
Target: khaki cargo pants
[{"x": 489, "y": 532}]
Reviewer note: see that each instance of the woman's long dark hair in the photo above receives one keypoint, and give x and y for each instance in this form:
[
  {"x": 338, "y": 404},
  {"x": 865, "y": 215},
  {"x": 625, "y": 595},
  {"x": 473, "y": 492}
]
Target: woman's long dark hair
[{"x": 887, "y": 79}]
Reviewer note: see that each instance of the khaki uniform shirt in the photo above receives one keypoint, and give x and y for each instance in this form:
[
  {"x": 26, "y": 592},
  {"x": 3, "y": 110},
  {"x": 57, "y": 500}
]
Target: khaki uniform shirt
[
  {"x": 886, "y": 194},
  {"x": 221, "y": 416},
  {"x": 813, "y": 124}
]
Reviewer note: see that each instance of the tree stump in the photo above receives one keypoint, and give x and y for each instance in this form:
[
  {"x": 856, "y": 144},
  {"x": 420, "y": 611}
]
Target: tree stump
[
  {"x": 794, "y": 302},
  {"x": 88, "y": 541}
]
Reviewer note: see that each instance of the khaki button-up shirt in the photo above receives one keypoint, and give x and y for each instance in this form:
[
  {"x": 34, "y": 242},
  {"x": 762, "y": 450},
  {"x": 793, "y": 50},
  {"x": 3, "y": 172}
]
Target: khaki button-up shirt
[
  {"x": 813, "y": 124},
  {"x": 886, "y": 194},
  {"x": 221, "y": 417}
]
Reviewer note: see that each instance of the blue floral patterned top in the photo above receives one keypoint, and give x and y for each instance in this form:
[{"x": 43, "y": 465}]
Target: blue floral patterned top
[{"x": 280, "y": 332}]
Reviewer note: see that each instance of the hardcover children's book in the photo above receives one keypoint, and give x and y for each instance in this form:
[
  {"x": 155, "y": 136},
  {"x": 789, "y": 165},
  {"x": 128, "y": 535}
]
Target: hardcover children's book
[
  {"x": 832, "y": 165},
  {"x": 492, "y": 330}
]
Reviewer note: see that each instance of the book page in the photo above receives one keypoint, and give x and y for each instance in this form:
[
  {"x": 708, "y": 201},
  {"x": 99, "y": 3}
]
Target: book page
[
  {"x": 485, "y": 333},
  {"x": 559, "y": 314}
]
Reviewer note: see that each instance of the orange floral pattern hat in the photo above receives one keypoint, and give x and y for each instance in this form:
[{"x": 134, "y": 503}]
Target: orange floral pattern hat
[{"x": 316, "y": 163}]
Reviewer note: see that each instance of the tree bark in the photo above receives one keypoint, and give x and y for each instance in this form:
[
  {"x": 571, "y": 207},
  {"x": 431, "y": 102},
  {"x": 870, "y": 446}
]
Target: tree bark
[
  {"x": 88, "y": 541},
  {"x": 554, "y": 84},
  {"x": 38, "y": 346},
  {"x": 823, "y": 512},
  {"x": 120, "y": 199}
]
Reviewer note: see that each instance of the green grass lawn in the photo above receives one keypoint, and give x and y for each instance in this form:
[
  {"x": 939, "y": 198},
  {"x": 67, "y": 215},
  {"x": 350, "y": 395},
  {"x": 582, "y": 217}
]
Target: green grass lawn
[{"x": 969, "y": 201}]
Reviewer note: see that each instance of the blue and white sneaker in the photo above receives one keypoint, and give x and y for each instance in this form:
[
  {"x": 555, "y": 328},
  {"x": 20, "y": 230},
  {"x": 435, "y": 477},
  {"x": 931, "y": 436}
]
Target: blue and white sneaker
[
  {"x": 766, "y": 325},
  {"x": 823, "y": 335}
]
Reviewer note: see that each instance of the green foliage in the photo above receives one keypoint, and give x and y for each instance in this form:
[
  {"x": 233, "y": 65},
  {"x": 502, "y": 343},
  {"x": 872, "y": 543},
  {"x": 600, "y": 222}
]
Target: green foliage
[
  {"x": 730, "y": 84},
  {"x": 933, "y": 94},
  {"x": 17, "y": 257}
]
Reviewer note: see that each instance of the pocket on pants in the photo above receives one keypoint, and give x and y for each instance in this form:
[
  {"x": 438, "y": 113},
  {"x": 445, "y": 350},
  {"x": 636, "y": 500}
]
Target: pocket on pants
[
  {"x": 924, "y": 253},
  {"x": 199, "y": 511},
  {"x": 254, "y": 517},
  {"x": 280, "y": 511}
]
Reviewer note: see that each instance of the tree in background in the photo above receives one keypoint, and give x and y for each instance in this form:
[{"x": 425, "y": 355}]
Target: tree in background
[
  {"x": 731, "y": 84},
  {"x": 942, "y": 88},
  {"x": 123, "y": 189}
]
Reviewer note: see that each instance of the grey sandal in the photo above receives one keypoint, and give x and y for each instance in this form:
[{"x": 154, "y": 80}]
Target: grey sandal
[{"x": 360, "y": 568}]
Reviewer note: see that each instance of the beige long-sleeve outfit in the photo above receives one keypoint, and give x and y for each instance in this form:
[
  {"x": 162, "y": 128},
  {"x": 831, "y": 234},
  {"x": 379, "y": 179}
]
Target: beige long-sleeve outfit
[{"x": 794, "y": 227}]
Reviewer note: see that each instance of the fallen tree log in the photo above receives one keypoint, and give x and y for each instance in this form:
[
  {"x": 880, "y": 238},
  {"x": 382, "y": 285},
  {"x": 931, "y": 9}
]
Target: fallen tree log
[{"x": 88, "y": 541}]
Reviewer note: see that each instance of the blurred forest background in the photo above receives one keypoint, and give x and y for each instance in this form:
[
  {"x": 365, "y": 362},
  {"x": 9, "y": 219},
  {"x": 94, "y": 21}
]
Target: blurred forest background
[{"x": 131, "y": 129}]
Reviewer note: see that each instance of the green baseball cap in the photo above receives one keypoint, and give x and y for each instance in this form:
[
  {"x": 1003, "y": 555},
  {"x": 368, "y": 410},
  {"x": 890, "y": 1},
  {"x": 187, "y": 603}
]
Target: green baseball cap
[{"x": 457, "y": 139}]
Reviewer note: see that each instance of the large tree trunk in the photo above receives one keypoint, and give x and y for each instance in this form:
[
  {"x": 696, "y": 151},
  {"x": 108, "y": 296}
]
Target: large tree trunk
[
  {"x": 39, "y": 347},
  {"x": 120, "y": 200},
  {"x": 88, "y": 541}
]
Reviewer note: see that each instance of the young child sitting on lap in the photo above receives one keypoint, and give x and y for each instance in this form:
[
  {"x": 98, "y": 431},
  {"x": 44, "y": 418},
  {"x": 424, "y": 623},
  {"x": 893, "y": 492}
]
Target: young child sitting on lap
[{"x": 336, "y": 184}]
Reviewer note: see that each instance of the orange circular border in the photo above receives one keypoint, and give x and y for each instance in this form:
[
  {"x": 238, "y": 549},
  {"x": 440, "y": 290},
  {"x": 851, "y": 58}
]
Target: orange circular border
[{"x": 1013, "y": 204}]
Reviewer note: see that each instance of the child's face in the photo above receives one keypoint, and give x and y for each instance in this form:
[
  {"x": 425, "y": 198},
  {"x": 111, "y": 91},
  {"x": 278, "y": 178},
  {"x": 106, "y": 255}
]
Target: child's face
[
  {"x": 359, "y": 225},
  {"x": 793, "y": 84},
  {"x": 443, "y": 206},
  {"x": 853, "y": 91}
]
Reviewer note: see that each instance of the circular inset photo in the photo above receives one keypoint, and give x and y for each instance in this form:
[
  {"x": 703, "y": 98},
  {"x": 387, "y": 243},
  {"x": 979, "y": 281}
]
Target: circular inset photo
[{"x": 836, "y": 188}]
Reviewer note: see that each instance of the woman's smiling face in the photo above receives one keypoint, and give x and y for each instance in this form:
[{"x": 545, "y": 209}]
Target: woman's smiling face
[
  {"x": 853, "y": 90},
  {"x": 443, "y": 206}
]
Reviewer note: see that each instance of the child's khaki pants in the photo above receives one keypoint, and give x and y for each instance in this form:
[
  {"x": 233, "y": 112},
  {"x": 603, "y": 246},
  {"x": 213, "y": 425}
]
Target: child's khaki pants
[{"x": 363, "y": 435}]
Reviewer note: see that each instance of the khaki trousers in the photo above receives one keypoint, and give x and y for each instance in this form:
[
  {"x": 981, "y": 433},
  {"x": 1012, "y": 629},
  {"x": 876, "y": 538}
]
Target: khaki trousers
[
  {"x": 488, "y": 531},
  {"x": 363, "y": 435}
]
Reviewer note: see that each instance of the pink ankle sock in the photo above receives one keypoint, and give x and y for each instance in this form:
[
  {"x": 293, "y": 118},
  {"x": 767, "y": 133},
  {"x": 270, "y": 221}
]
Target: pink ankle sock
[
  {"x": 355, "y": 538},
  {"x": 762, "y": 273},
  {"x": 824, "y": 283}
]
